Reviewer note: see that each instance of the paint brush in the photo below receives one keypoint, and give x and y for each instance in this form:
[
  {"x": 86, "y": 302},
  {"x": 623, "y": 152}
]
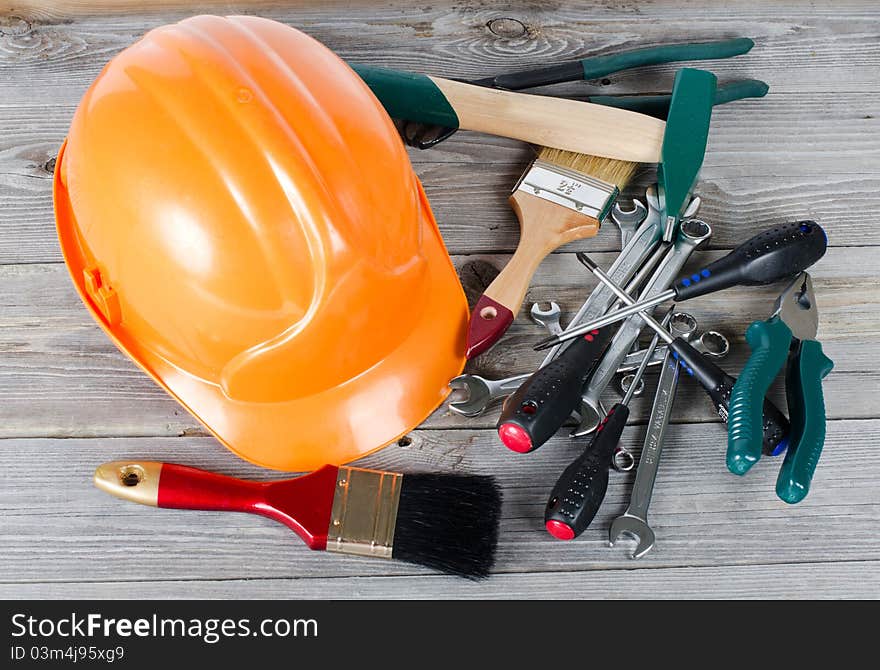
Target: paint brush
[
  {"x": 443, "y": 521},
  {"x": 563, "y": 196}
]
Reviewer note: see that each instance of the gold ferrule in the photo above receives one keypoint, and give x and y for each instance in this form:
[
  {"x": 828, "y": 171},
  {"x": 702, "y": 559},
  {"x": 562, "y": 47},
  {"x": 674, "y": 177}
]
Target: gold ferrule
[
  {"x": 137, "y": 481},
  {"x": 569, "y": 188},
  {"x": 364, "y": 512}
]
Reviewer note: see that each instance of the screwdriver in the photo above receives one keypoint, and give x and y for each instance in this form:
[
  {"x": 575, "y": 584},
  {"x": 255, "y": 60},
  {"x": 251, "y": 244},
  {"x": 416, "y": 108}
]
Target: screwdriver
[
  {"x": 580, "y": 489},
  {"x": 717, "y": 383},
  {"x": 533, "y": 413},
  {"x": 769, "y": 256}
]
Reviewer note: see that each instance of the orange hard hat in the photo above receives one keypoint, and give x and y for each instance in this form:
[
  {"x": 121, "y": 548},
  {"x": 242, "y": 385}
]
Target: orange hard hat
[{"x": 239, "y": 214}]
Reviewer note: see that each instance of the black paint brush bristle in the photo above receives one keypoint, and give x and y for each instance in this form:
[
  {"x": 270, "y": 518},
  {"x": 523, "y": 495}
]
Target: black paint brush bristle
[{"x": 448, "y": 522}]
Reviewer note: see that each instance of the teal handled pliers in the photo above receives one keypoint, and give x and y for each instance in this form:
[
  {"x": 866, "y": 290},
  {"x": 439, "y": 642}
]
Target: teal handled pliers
[
  {"x": 790, "y": 333},
  {"x": 398, "y": 89}
]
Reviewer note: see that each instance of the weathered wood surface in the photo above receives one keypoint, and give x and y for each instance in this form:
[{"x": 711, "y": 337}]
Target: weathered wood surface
[{"x": 811, "y": 149}]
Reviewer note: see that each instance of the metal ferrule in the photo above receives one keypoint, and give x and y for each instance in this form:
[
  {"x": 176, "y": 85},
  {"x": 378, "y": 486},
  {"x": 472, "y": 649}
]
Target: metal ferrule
[
  {"x": 569, "y": 188},
  {"x": 364, "y": 512}
]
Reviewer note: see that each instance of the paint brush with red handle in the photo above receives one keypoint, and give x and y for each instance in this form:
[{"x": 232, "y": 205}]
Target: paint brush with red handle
[{"x": 442, "y": 521}]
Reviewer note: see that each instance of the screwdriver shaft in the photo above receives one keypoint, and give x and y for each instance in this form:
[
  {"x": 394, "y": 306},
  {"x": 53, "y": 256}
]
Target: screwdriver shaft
[
  {"x": 644, "y": 364},
  {"x": 619, "y": 314},
  {"x": 624, "y": 296}
]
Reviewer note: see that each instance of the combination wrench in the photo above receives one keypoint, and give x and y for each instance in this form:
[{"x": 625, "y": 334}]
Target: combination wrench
[
  {"x": 691, "y": 233},
  {"x": 634, "y": 522},
  {"x": 548, "y": 318}
]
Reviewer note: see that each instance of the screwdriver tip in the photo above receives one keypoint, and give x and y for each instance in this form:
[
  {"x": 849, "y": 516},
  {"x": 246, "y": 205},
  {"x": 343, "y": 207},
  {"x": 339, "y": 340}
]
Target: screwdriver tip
[
  {"x": 586, "y": 260},
  {"x": 546, "y": 343}
]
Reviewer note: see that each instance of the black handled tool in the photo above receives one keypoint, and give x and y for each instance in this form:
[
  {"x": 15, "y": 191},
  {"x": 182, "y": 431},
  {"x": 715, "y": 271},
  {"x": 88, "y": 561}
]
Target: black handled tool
[
  {"x": 580, "y": 489},
  {"x": 542, "y": 403},
  {"x": 536, "y": 410},
  {"x": 770, "y": 256},
  {"x": 717, "y": 383}
]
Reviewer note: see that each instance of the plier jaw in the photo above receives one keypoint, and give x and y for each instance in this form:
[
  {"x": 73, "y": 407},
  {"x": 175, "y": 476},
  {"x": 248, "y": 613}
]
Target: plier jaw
[{"x": 788, "y": 336}]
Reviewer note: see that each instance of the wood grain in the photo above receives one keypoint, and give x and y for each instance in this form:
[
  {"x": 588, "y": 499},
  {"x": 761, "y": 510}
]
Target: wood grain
[
  {"x": 60, "y": 375},
  {"x": 699, "y": 512},
  {"x": 810, "y": 149},
  {"x": 805, "y": 581},
  {"x": 557, "y": 123}
]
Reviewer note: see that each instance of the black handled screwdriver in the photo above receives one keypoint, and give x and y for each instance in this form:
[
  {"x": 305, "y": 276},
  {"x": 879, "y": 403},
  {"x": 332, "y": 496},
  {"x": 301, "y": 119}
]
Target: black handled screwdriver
[
  {"x": 580, "y": 489},
  {"x": 535, "y": 411},
  {"x": 770, "y": 256},
  {"x": 717, "y": 383}
]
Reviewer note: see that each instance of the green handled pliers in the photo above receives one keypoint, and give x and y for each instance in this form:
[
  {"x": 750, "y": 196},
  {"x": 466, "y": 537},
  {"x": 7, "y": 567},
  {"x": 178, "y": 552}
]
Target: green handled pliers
[
  {"x": 790, "y": 333},
  {"x": 422, "y": 135}
]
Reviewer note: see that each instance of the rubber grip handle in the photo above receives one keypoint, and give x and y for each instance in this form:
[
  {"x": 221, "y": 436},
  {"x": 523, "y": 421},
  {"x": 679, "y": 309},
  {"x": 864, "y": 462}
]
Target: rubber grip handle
[
  {"x": 409, "y": 96},
  {"x": 719, "y": 387},
  {"x": 578, "y": 493},
  {"x": 807, "y": 367},
  {"x": 599, "y": 66},
  {"x": 539, "y": 407},
  {"x": 771, "y": 255},
  {"x": 769, "y": 341},
  {"x": 658, "y": 105}
]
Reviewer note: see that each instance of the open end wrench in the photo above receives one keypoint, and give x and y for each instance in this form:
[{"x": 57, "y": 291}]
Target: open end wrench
[
  {"x": 634, "y": 522},
  {"x": 692, "y": 233},
  {"x": 628, "y": 220},
  {"x": 476, "y": 393},
  {"x": 548, "y": 318}
]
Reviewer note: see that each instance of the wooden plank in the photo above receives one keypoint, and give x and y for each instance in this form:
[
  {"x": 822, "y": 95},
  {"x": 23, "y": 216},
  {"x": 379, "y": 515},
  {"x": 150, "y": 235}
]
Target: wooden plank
[
  {"x": 829, "y": 580},
  {"x": 807, "y": 150},
  {"x": 474, "y": 216},
  {"x": 823, "y": 49},
  {"x": 61, "y": 376},
  {"x": 759, "y": 138},
  {"x": 58, "y": 527}
]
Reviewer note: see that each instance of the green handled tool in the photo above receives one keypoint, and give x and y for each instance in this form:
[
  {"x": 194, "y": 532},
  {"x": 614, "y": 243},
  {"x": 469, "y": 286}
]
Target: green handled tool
[
  {"x": 790, "y": 333},
  {"x": 658, "y": 105},
  {"x": 431, "y": 110},
  {"x": 684, "y": 143},
  {"x": 596, "y": 67}
]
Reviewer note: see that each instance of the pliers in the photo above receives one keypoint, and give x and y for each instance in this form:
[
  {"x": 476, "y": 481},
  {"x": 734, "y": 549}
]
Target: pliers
[
  {"x": 790, "y": 333},
  {"x": 424, "y": 136}
]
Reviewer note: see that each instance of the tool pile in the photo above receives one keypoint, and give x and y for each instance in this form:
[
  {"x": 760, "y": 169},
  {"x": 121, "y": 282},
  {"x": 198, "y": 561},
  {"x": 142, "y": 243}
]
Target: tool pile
[
  {"x": 656, "y": 243},
  {"x": 238, "y": 270}
]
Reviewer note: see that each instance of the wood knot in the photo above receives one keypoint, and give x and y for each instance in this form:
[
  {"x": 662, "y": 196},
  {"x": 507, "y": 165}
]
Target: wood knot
[
  {"x": 475, "y": 276},
  {"x": 507, "y": 27},
  {"x": 14, "y": 26},
  {"x": 49, "y": 165}
]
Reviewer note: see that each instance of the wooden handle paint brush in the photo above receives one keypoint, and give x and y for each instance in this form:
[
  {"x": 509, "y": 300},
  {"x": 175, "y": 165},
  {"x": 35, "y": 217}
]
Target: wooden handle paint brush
[
  {"x": 581, "y": 127},
  {"x": 562, "y": 196},
  {"x": 565, "y": 196},
  {"x": 446, "y": 522}
]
